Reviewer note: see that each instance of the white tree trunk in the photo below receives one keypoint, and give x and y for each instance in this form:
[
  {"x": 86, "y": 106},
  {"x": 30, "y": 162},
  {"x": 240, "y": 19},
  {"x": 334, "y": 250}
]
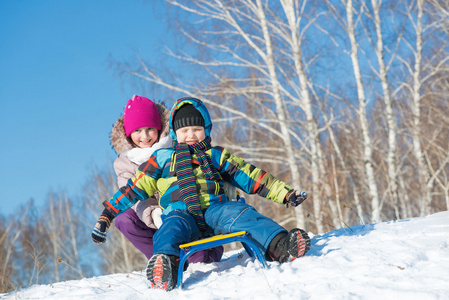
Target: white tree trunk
[
  {"x": 312, "y": 127},
  {"x": 280, "y": 111},
  {"x": 72, "y": 237},
  {"x": 417, "y": 148},
  {"x": 53, "y": 234},
  {"x": 367, "y": 153},
  {"x": 392, "y": 163},
  {"x": 445, "y": 188},
  {"x": 124, "y": 248}
]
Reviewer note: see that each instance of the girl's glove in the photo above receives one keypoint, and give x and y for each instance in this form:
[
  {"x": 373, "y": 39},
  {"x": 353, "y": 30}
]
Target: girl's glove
[
  {"x": 102, "y": 226},
  {"x": 156, "y": 215},
  {"x": 295, "y": 198}
]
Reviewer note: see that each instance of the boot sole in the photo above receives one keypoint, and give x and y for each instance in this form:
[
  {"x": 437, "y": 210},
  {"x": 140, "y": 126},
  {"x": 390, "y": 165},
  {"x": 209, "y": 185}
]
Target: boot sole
[
  {"x": 159, "y": 272},
  {"x": 298, "y": 243}
]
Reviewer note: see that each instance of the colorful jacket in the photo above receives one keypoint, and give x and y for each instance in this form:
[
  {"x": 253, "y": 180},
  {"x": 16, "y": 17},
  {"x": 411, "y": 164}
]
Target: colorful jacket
[{"x": 159, "y": 174}]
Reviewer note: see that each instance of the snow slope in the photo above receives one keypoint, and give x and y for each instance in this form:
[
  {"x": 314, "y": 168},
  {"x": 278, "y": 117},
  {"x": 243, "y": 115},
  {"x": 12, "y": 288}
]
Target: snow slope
[{"x": 407, "y": 259}]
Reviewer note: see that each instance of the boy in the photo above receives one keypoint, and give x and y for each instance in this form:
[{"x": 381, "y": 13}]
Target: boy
[{"x": 190, "y": 178}]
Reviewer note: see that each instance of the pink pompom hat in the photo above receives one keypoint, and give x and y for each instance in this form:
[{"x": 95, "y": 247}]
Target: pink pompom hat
[{"x": 141, "y": 112}]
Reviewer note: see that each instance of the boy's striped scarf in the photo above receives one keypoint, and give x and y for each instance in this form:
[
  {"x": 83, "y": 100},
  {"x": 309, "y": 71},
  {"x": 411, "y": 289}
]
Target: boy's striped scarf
[{"x": 186, "y": 178}]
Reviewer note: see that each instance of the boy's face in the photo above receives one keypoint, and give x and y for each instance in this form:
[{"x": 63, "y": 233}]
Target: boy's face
[{"x": 190, "y": 134}]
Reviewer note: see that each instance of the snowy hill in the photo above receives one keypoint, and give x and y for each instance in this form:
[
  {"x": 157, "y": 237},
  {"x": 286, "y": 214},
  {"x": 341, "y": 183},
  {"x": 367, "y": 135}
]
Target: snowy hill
[{"x": 407, "y": 259}]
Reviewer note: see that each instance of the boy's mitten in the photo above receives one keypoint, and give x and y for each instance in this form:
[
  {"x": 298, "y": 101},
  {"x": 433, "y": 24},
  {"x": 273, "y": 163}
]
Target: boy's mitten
[
  {"x": 102, "y": 226},
  {"x": 295, "y": 198}
]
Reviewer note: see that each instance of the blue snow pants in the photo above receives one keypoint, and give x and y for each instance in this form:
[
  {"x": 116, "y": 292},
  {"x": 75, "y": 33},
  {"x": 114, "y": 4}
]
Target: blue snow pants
[{"x": 179, "y": 226}]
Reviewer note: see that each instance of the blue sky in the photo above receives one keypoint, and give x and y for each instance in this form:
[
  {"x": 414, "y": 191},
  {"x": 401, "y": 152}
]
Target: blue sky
[{"x": 59, "y": 97}]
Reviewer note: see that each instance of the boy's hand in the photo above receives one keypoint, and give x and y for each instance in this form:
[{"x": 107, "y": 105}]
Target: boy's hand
[
  {"x": 102, "y": 226},
  {"x": 295, "y": 198}
]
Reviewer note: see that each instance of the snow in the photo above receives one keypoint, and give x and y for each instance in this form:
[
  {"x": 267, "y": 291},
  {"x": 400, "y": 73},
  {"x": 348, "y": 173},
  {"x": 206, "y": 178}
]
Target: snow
[{"x": 407, "y": 259}]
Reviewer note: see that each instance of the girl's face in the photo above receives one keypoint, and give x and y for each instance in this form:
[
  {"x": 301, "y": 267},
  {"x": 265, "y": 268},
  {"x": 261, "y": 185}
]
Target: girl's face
[
  {"x": 190, "y": 134},
  {"x": 145, "y": 137}
]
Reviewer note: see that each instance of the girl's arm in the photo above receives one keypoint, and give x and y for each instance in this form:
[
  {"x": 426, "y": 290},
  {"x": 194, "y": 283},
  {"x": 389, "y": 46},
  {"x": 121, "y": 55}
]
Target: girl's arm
[{"x": 124, "y": 169}]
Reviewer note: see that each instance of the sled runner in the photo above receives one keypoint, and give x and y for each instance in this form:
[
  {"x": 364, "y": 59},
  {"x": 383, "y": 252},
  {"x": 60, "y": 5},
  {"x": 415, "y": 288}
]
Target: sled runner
[{"x": 188, "y": 249}]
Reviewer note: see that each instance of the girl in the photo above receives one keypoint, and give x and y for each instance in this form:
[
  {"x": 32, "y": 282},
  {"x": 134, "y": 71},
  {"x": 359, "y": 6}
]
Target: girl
[{"x": 135, "y": 136}]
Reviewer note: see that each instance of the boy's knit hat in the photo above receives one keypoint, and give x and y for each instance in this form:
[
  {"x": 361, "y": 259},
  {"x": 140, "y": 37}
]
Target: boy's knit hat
[
  {"x": 141, "y": 112},
  {"x": 187, "y": 115}
]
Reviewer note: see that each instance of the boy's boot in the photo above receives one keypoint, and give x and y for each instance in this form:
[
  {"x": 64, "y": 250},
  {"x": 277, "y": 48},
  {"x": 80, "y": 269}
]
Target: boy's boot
[
  {"x": 286, "y": 247},
  {"x": 162, "y": 271}
]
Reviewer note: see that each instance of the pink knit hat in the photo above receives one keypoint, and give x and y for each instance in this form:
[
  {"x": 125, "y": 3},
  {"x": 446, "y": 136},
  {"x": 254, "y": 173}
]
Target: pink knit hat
[{"x": 141, "y": 112}]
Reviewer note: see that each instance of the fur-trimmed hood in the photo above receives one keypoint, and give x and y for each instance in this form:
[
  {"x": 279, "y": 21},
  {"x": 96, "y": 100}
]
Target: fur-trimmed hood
[{"x": 121, "y": 143}]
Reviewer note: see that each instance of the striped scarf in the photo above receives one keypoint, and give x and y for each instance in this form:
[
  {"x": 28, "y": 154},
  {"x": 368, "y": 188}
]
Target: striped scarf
[{"x": 186, "y": 178}]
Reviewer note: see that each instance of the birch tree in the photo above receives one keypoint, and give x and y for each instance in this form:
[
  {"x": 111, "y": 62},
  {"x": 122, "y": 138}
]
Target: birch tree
[
  {"x": 63, "y": 237},
  {"x": 8, "y": 237},
  {"x": 362, "y": 114},
  {"x": 391, "y": 119},
  {"x": 312, "y": 127},
  {"x": 422, "y": 73},
  {"x": 280, "y": 107},
  {"x": 416, "y": 109}
]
